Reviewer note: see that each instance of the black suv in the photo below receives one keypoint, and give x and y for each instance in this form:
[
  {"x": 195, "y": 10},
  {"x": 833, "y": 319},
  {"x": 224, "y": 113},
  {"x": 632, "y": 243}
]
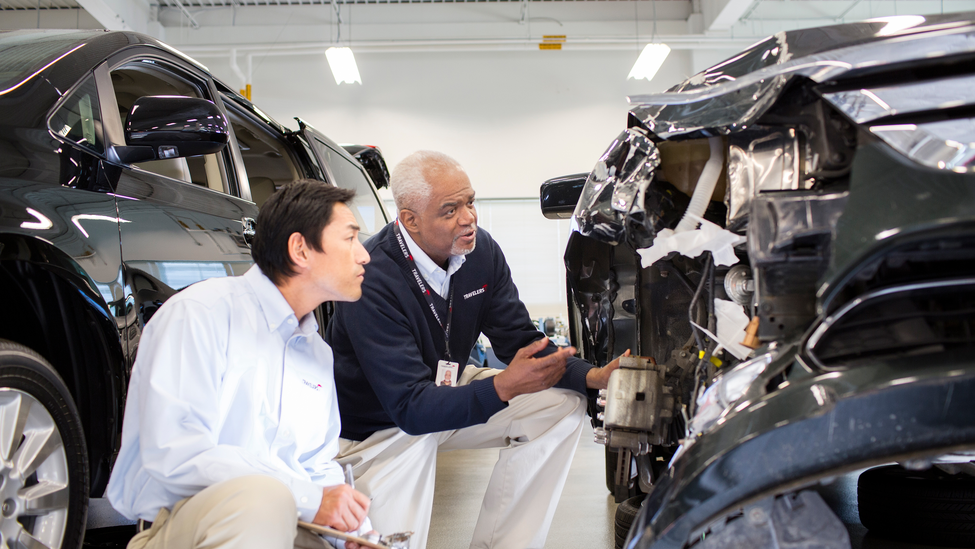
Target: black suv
[
  {"x": 822, "y": 318},
  {"x": 127, "y": 172}
]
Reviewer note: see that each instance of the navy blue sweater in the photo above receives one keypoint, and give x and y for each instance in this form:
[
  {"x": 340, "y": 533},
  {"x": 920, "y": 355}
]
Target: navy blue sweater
[{"x": 388, "y": 343}]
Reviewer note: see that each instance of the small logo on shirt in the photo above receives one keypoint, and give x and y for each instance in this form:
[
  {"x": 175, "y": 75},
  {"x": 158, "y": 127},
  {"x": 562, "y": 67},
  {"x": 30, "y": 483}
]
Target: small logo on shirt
[
  {"x": 313, "y": 386},
  {"x": 479, "y": 291}
]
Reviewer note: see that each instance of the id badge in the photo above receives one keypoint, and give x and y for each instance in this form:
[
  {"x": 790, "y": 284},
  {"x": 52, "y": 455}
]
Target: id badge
[{"x": 447, "y": 373}]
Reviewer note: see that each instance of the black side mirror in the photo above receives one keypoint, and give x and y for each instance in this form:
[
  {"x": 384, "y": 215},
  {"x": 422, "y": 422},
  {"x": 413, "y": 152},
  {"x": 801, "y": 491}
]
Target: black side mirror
[
  {"x": 372, "y": 160},
  {"x": 171, "y": 126},
  {"x": 559, "y": 195}
]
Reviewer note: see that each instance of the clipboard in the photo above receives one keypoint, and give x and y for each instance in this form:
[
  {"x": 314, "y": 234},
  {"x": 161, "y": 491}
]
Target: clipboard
[{"x": 318, "y": 529}]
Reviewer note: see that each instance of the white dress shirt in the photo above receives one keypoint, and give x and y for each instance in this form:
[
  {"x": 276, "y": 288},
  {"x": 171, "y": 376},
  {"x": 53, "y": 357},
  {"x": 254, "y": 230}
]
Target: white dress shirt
[
  {"x": 227, "y": 383},
  {"x": 436, "y": 277}
]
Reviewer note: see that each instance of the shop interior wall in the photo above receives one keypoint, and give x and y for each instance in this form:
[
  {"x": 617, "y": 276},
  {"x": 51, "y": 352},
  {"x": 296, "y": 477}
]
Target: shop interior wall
[{"x": 512, "y": 118}]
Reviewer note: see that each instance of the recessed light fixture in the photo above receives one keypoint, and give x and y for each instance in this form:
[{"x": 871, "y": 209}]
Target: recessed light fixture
[
  {"x": 343, "y": 66},
  {"x": 649, "y": 62}
]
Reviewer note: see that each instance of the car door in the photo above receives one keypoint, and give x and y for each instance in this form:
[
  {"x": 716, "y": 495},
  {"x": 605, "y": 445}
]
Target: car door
[
  {"x": 181, "y": 220},
  {"x": 270, "y": 155},
  {"x": 347, "y": 173}
]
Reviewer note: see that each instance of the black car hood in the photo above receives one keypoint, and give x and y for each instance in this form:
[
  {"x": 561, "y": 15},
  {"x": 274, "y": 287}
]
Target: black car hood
[{"x": 731, "y": 95}]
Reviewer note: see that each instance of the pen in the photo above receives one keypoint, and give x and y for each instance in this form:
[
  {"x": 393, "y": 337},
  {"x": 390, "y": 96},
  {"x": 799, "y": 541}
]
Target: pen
[{"x": 349, "y": 479}]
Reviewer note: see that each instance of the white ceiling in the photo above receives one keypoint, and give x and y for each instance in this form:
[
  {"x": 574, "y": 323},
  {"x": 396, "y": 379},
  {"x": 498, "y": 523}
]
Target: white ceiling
[{"x": 457, "y": 25}]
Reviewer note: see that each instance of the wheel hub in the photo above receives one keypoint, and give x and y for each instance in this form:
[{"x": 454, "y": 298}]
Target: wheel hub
[{"x": 33, "y": 474}]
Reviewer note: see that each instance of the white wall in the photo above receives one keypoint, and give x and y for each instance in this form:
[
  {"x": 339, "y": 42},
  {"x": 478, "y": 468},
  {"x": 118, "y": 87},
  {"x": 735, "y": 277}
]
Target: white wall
[{"x": 513, "y": 119}]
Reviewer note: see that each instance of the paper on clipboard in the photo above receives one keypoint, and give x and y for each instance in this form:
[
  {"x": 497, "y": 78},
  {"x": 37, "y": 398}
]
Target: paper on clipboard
[{"x": 318, "y": 529}]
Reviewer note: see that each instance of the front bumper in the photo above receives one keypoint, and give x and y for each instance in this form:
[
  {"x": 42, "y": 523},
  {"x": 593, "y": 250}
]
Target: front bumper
[{"x": 809, "y": 429}]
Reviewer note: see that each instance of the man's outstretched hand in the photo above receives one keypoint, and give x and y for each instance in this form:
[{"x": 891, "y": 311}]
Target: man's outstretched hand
[
  {"x": 598, "y": 378},
  {"x": 527, "y": 374}
]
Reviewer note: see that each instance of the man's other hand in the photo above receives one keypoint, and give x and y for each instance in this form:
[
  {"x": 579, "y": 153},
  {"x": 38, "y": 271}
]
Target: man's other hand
[
  {"x": 343, "y": 508},
  {"x": 598, "y": 378},
  {"x": 527, "y": 374}
]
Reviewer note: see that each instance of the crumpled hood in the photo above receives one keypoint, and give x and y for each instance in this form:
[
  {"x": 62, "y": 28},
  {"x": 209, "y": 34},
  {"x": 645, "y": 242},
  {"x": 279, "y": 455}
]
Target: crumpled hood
[{"x": 731, "y": 95}]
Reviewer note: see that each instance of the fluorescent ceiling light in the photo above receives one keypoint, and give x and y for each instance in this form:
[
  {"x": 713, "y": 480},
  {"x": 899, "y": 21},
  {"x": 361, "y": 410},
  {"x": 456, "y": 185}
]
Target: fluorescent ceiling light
[
  {"x": 343, "y": 65},
  {"x": 649, "y": 62}
]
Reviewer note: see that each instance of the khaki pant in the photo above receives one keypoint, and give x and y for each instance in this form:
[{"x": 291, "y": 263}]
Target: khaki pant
[
  {"x": 252, "y": 512},
  {"x": 537, "y": 435}
]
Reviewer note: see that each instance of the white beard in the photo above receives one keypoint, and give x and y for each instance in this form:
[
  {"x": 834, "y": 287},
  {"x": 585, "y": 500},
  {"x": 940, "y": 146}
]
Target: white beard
[{"x": 455, "y": 248}]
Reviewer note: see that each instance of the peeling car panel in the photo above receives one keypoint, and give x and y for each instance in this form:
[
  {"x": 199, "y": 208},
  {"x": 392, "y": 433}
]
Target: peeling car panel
[
  {"x": 614, "y": 190},
  {"x": 947, "y": 145},
  {"x": 732, "y": 95}
]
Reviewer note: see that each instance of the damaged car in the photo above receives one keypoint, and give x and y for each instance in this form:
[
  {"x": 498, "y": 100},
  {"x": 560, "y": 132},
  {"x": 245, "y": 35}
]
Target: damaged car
[{"x": 786, "y": 241}]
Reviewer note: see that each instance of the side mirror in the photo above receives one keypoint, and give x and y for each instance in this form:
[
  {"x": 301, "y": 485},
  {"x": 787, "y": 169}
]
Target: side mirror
[
  {"x": 171, "y": 126},
  {"x": 560, "y": 195},
  {"x": 372, "y": 160}
]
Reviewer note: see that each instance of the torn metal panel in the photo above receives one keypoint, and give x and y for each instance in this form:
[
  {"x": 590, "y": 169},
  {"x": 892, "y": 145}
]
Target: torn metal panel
[
  {"x": 615, "y": 188},
  {"x": 731, "y": 96}
]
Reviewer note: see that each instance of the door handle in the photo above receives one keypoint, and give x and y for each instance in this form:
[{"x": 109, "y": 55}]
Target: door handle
[{"x": 250, "y": 229}]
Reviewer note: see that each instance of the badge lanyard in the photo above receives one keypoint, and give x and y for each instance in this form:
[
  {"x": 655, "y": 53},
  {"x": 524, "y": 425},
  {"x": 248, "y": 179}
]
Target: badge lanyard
[{"x": 426, "y": 291}]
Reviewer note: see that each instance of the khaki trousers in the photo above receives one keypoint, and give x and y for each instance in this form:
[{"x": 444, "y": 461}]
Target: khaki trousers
[
  {"x": 252, "y": 512},
  {"x": 537, "y": 435}
]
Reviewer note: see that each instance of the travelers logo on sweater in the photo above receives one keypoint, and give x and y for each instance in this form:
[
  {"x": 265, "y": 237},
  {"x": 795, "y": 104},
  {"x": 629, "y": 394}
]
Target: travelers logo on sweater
[{"x": 479, "y": 291}]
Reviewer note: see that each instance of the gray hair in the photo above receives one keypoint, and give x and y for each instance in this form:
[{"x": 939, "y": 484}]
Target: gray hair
[{"x": 410, "y": 180}]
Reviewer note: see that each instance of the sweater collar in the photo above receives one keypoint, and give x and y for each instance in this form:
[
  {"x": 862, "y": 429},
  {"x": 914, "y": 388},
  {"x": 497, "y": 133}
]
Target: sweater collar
[{"x": 433, "y": 274}]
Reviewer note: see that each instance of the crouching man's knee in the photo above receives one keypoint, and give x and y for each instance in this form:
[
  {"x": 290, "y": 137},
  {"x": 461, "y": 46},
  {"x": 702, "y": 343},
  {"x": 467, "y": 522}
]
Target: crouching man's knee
[{"x": 248, "y": 512}]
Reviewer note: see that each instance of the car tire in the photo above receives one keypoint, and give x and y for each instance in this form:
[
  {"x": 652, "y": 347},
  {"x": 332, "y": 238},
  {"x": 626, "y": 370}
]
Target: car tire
[
  {"x": 929, "y": 507},
  {"x": 43, "y": 458},
  {"x": 625, "y": 515}
]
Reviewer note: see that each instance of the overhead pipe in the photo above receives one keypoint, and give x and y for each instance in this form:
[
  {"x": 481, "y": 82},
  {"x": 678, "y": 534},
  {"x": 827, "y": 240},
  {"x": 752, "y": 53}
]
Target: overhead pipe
[
  {"x": 461, "y": 45},
  {"x": 246, "y": 90}
]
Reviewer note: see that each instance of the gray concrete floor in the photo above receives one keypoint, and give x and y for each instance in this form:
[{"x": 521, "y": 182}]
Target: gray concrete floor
[
  {"x": 586, "y": 511},
  {"x": 584, "y": 517}
]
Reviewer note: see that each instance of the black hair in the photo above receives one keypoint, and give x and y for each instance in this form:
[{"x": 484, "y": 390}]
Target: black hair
[{"x": 303, "y": 206}]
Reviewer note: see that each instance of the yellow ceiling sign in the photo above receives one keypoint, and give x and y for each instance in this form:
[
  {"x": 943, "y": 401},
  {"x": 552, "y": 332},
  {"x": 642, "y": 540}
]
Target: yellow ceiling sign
[{"x": 552, "y": 42}]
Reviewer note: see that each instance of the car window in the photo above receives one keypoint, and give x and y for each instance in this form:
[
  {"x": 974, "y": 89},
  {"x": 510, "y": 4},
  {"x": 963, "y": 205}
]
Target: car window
[
  {"x": 79, "y": 119},
  {"x": 349, "y": 175},
  {"x": 146, "y": 77},
  {"x": 268, "y": 159}
]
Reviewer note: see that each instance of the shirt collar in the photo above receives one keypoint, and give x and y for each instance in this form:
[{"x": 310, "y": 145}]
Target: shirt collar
[
  {"x": 428, "y": 267},
  {"x": 277, "y": 311}
]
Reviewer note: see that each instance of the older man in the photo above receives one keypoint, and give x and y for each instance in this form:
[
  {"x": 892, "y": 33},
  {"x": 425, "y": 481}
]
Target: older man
[
  {"x": 231, "y": 424},
  {"x": 435, "y": 283}
]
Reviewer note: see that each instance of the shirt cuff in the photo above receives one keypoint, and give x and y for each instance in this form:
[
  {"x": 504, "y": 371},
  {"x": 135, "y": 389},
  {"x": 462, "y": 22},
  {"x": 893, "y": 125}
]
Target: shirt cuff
[{"x": 308, "y": 498}]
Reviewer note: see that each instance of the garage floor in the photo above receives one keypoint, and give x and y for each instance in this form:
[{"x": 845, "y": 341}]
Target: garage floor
[
  {"x": 586, "y": 512},
  {"x": 585, "y": 515}
]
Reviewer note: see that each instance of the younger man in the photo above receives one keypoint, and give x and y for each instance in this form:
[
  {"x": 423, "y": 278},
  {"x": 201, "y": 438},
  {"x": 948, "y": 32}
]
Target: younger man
[{"x": 231, "y": 425}]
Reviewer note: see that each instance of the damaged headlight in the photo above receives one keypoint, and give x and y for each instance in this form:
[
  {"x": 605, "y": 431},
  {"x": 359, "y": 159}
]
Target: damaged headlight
[{"x": 715, "y": 402}]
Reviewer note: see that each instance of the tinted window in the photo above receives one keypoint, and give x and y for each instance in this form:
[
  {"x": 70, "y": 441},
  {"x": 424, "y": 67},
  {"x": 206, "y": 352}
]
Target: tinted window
[
  {"x": 349, "y": 175},
  {"x": 79, "y": 120},
  {"x": 267, "y": 157},
  {"x": 143, "y": 78}
]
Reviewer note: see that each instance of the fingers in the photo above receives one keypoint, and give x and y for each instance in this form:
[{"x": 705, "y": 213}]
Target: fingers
[
  {"x": 342, "y": 508},
  {"x": 529, "y": 350}
]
